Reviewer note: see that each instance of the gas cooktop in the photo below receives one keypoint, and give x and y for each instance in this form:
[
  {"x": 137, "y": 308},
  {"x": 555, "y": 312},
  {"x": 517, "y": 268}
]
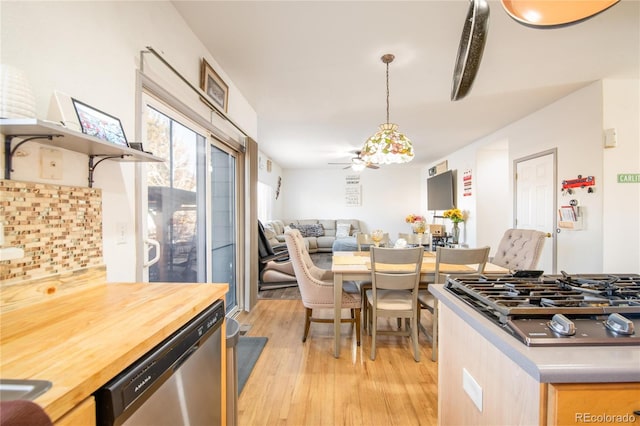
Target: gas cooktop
[{"x": 582, "y": 309}]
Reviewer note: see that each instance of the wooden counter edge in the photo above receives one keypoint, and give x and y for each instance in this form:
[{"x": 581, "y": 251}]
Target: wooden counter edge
[{"x": 61, "y": 401}]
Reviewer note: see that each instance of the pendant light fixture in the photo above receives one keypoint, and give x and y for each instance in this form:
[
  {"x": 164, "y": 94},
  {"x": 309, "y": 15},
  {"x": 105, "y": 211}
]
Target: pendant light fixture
[{"x": 387, "y": 146}]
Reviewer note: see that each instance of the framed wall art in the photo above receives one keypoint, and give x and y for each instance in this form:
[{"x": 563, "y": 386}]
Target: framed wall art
[
  {"x": 96, "y": 123},
  {"x": 216, "y": 89}
]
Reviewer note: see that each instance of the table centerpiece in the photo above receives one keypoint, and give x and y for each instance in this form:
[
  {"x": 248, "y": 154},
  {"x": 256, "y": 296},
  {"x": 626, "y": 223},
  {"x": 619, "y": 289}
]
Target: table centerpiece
[
  {"x": 456, "y": 216},
  {"x": 418, "y": 223}
]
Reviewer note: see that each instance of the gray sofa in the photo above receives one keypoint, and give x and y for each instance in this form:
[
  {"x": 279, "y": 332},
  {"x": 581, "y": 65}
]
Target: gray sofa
[{"x": 319, "y": 234}]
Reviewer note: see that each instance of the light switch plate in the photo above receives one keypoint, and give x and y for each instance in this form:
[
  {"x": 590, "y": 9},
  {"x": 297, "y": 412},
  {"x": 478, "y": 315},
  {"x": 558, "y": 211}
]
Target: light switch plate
[
  {"x": 610, "y": 138},
  {"x": 121, "y": 233},
  {"x": 472, "y": 388},
  {"x": 50, "y": 163}
]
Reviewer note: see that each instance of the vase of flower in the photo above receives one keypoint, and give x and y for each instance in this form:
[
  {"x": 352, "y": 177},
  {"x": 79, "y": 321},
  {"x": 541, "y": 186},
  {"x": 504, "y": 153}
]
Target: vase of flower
[
  {"x": 417, "y": 222},
  {"x": 419, "y": 227},
  {"x": 456, "y": 216},
  {"x": 455, "y": 233}
]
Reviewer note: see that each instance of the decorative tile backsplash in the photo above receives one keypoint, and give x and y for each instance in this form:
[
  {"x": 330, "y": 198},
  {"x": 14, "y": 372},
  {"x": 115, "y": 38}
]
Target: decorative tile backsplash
[{"x": 59, "y": 228}]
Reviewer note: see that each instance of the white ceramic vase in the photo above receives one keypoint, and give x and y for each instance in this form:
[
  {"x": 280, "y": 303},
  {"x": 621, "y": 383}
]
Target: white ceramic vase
[{"x": 16, "y": 96}]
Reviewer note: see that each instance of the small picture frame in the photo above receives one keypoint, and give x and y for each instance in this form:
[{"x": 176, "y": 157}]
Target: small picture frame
[
  {"x": 101, "y": 125},
  {"x": 216, "y": 89}
]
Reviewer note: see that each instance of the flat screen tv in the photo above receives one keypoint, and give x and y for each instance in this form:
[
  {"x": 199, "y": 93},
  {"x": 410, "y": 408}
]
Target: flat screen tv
[{"x": 440, "y": 191}]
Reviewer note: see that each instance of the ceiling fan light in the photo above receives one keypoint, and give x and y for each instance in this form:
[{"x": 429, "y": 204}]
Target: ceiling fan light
[
  {"x": 387, "y": 146},
  {"x": 358, "y": 166}
]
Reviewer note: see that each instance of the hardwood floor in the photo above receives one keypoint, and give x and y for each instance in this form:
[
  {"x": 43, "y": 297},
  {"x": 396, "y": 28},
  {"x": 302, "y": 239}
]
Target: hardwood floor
[{"x": 295, "y": 383}]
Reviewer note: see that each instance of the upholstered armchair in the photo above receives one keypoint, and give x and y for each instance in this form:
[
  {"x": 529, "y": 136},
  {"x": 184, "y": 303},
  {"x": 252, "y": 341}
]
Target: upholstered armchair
[
  {"x": 316, "y": 286},
  {"x": 519, "y": 249}
]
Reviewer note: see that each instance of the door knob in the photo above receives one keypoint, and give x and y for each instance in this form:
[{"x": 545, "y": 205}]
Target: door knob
[{"x": 548, "y": 235}]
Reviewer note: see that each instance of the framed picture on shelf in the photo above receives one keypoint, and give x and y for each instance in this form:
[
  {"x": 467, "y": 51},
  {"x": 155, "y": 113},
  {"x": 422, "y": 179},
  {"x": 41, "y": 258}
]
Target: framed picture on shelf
[
  {"x": 96, "y": 123},
  {"x": 216, "y": 89}
]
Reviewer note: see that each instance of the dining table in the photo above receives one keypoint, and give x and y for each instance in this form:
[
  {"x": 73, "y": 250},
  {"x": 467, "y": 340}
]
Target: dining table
[{"x": 356, "y": 266}]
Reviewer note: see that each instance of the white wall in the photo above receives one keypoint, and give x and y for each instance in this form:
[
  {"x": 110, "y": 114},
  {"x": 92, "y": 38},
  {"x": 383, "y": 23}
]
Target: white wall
[
  {"x": 91, "y": 51},
  {"x": 621, "y": 201},
  {"x": 491, "y": 182},
  {"x": 574, "y": 125},
  {"x": 271, "y": 178},
  {"x": 389, "y": 194}
]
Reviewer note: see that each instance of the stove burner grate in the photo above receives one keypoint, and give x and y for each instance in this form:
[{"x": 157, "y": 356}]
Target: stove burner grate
[
  {"x": 609, "y": 286},
  {"x": 525, "y": 307}
]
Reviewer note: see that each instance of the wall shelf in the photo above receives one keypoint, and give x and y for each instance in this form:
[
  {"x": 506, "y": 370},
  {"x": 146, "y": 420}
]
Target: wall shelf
[{"x": 58, "y": 136}]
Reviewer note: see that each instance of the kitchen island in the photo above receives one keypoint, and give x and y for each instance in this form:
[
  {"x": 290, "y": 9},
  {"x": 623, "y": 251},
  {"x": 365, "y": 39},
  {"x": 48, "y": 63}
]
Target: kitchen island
[
  {"x": 487, "y": 376},
  {"x": 82, "y": 339}
]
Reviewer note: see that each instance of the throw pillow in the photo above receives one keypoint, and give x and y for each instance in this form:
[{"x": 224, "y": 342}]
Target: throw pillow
[
  {"x": 343, "y": 230},
  {"x": 315, "y": 230},
  {"x": 269, "y": 226},
  {"x": 269, "y": 233}
]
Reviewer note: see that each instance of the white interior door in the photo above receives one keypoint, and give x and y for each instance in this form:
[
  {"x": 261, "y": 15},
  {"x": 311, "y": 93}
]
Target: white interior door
[{"x": 535, "y": 203}]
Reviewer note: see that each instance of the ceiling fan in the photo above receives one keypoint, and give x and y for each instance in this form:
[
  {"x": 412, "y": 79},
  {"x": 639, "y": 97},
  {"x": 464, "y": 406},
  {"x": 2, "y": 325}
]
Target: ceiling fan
[{"x": 357, "y": 163}]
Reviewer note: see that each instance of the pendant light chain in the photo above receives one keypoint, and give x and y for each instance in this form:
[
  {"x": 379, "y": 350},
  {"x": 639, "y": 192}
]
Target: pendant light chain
[{"x": 387, "y": 92}]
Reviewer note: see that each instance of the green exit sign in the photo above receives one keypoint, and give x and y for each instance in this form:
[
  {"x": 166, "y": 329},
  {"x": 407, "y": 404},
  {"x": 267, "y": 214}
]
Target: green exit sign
[{"x": 629, "y": 178}]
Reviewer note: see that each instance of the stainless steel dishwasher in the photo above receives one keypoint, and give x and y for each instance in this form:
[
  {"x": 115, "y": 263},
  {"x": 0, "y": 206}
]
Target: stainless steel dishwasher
[{"x": 176, "y": 383}]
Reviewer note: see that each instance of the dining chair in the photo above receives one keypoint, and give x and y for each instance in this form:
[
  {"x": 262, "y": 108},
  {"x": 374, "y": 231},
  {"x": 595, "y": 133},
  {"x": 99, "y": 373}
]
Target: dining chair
[
  {"x": 519, "y": 249},
  {"x": 395, "y": 277},
  {"x": 475, "y": 259},
  {"x": 316, "y": 286}
]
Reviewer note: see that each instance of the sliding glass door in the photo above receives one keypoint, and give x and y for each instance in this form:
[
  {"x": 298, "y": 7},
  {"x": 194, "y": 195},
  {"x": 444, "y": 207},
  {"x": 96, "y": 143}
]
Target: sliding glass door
[
  {"x": 190, "y": 221},
  {"x": 224, "y": 227},
  {"x": 175, "y": 199}
]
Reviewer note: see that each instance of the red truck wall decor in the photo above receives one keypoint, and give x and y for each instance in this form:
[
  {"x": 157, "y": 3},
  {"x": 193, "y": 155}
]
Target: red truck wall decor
[{"x": 580, "y": 182}]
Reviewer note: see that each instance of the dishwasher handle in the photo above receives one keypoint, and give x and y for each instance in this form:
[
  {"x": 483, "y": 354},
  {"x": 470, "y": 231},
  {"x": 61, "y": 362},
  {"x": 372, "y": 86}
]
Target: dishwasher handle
[{"x": 185, "y": 356}]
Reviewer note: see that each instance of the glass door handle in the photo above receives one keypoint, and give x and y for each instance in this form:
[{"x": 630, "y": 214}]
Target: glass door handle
[{"x": 150, "y": 244}]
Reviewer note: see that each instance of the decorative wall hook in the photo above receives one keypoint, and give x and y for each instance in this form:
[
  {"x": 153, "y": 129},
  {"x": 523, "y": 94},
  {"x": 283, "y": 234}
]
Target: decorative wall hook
[{"x": 569, "y": 185}]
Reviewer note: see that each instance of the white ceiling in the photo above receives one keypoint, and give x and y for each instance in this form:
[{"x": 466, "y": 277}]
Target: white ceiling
[{"x": 312, "y": 69}]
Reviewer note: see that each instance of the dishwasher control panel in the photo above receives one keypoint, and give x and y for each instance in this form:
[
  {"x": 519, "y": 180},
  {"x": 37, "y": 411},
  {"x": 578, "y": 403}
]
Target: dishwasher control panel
[{"x": 126, "y": 391}]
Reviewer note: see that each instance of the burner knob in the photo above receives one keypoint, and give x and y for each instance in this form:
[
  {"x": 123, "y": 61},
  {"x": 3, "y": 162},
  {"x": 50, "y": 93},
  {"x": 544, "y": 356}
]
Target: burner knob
[
  {"x": 562, "y": 325},
  {"x": 619, "y": 324}
]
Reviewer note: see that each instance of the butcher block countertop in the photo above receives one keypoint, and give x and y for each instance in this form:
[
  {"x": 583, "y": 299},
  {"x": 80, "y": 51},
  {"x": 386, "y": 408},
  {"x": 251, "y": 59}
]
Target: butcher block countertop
[{"x": 81, "y": 340}]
